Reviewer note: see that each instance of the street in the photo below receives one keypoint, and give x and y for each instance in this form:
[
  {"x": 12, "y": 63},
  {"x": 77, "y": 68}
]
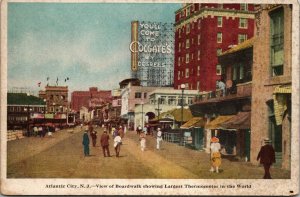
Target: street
[{"x": 61, "y": 156}]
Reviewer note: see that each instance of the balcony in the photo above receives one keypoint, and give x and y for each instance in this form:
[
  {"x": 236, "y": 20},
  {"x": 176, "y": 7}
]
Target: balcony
[{"x": 241, "y": 90}]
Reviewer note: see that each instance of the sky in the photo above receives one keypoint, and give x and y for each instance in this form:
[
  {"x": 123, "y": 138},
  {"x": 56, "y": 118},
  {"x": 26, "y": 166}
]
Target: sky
[{"x": 86, "y": 42}]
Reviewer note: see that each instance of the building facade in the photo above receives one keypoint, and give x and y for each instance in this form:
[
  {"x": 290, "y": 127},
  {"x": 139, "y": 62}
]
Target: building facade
[
  {"x": 88, "y": 98},
  {"x": 56, "y": 98},
  {"x": 202, "y": 31},
  {"x": 22, "y": 108},
  {"x": 271, "y": 97}
]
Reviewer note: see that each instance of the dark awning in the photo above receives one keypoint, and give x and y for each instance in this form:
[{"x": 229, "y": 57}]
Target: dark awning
[
  {"x": 240, "y": 121},
  {"x": 196, "y": 122}
]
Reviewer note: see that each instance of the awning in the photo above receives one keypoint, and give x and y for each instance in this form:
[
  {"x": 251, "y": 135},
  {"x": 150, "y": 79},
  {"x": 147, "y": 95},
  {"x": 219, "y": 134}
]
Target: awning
[
  {"x": 240, "y": 121},
  {"x": 194, "y": 122},
  {"x": 176, "y": 115},
  {"x": 216, "y": 123},
  {"x": 280, "y": 96}
]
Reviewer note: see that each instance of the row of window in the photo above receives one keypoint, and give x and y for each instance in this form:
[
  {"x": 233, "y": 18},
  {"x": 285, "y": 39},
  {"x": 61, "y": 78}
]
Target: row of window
[
  {"x": 57, "y": 97},
  {"x": 17, "y": 118},
  {"x": 243, "y": 24},
  {"x": 172, "y": 100},
  {"x": 139, "y": 95},
  {"x": 189, "y": 86},
  {"x": 24, "y": 109},
  {"x": 187, "y": 73},
  {"x": 188, "y": 10}
]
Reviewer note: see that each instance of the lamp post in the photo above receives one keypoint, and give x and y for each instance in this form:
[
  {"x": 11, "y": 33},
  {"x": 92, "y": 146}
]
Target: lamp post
[
  {"x": 142, "y": 103},
  {"x": 182, "y": 87},
  {"x": 158, "y": 110},
  {"x": 45, "y": 104}
]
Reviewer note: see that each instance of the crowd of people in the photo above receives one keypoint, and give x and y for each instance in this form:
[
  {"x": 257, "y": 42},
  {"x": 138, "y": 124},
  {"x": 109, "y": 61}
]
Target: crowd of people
[{"x": 266, "y": 154}]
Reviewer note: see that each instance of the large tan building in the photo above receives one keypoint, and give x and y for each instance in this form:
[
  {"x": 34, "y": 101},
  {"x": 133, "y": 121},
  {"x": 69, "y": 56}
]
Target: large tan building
[
  {"x": 56, "y": 98},
  {"x": 271, "y": 83}
]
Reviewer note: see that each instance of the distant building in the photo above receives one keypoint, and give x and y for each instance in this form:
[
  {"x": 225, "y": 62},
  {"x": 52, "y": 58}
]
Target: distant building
[
  {"x": 133, "y": 94},
  {"x": 202, "y": 32},
  {"x": 21, "y": 108},
  {"x": 89, "y": 98},
  {"x": 56, "y": 98}
]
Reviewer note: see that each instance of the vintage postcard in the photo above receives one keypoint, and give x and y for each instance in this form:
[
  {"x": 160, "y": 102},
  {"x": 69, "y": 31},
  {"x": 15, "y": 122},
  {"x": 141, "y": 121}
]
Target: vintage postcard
[{"x": 149, "y": 97}]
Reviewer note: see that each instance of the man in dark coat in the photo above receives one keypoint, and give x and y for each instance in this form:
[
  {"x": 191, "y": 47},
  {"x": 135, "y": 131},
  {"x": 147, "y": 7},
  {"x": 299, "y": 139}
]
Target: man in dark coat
[
  {"x": 105, "y": 143},
  {"x": 267, "y": 157},
  {"x": 94, "y": 137},
  {"x": 85, "y": 143}
]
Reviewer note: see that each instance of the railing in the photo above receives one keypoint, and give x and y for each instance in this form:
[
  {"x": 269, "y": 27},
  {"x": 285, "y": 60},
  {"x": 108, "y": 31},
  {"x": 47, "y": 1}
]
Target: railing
[{"x": 242, "y": 89}]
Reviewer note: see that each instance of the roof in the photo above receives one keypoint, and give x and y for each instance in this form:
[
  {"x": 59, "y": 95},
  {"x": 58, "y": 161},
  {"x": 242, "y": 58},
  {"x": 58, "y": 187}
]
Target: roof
[
  {"x": 23, "y": 99},
  {"x": 194, "y": 122},
  {"x": 240, "y": 121},
  {"x": 176, "y": 113},
  {"x": 216, "y": 123},
  {"x": 244, "y": 45}
]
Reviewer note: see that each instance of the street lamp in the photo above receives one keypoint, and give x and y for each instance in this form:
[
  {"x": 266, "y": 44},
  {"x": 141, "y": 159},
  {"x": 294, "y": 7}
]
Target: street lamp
[
  {"x": 142, "y": 103},
  {"x": 182, "y": 87},
  {"x": 158, "y": 110}
]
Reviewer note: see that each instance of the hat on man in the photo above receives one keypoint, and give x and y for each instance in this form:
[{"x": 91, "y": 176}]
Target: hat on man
[
  {"x": 158, "y": 129},
  {"x": 267, "y": 140}
]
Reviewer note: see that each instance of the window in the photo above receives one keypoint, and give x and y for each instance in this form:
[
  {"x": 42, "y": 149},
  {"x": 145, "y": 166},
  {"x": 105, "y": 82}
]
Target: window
[
  {"x": 187, "y": 58},
  {"x": 219, "y": 69},
  {"x": 198, "y": 85},
  {"x": 198, "y": 70},
  {"x": 145, "y": 95},
  {"x": 277, "y": 56},
  {"x": 163, "y": 100},
  {"x": 179, "y": 33},
  {"x": 190, "y": 99},
  {"x": 179, "y": 46},
  {"x": 220, "y": 6},
  {"x": 198, "y": 55},
  {"x": 219, "y": 37},
  {"x": 187, "y": 43},
  {"x": 187, "y": 74},
  {"x": 242, "y": 38},
  {"x": 220, "y": 21},
  {"x": 243, "y": 23},
  {"x": 199, "y": 24},
  {"x": 188, "y": 11},
  {"x": 187, "y": 28},
  {"x": 178, "y": 61},
  {"x": 186, "y": 86},
  {"x": 241, "y": 72},
  {"x": 178, "y": 75},
  {"x": 199, "y": 39},
  {"x": 172, "y": 100},
  {"x": 234, "y": 73},
  {"x": 138, "y": 95},
  {"x": 244, "y": 6},
  {"x": 192, "y": 56},
  {"x": 219, "y": 52}
]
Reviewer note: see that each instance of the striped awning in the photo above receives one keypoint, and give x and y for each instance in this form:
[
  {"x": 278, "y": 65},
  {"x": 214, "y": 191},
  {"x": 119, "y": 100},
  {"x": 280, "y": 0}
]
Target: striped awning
[
  {"x": 280, "y": 101},
  {"x": 283, "y": 90},
  {"x": 216, "y": 123},
  {"x": 196, "y": 122}
]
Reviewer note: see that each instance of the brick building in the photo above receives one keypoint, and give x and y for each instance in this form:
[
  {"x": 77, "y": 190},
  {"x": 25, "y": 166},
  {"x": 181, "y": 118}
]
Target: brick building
[
  {"x": 56, "y": 98},
  {"x": 87, "y": 98},
  {"x": 202, "y": 31}
]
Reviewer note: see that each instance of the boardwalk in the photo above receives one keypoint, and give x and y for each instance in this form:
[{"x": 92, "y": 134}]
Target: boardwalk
[{"x": 62, "y": 157}]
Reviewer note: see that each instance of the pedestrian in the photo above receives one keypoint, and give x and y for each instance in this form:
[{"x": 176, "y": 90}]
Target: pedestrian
[
  {"x": 40, "y": 131},
  {"x": 94, "y": 137},
  {"x": 145, "y": 130},
  {"x": 121, "y": 132},
  {"x": 143, "y": 141},
  {"x": 117, "y": 144},
  {"x": 104, "y": 141},
  {"x": 114, "y": 132},
  {"x": 215, "y": 154},
  {"x": 35, "y": 131},
  {"x": 81, "y": 125},
  {"x": 49, "y": 131},
  {"x": 86, "y": 143},
  {"x": 267, "y": 157},
  {"x": 158, "y": 138},
  {"x": 138, "y": 130}
]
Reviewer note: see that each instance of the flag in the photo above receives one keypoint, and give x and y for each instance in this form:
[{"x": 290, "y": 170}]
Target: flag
[
  {"x": 48, "y": 78},
  {"x": 39, "y": 84},
  {"x": 66, "y": 79},
  {"x": 57, "y": 81}
]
